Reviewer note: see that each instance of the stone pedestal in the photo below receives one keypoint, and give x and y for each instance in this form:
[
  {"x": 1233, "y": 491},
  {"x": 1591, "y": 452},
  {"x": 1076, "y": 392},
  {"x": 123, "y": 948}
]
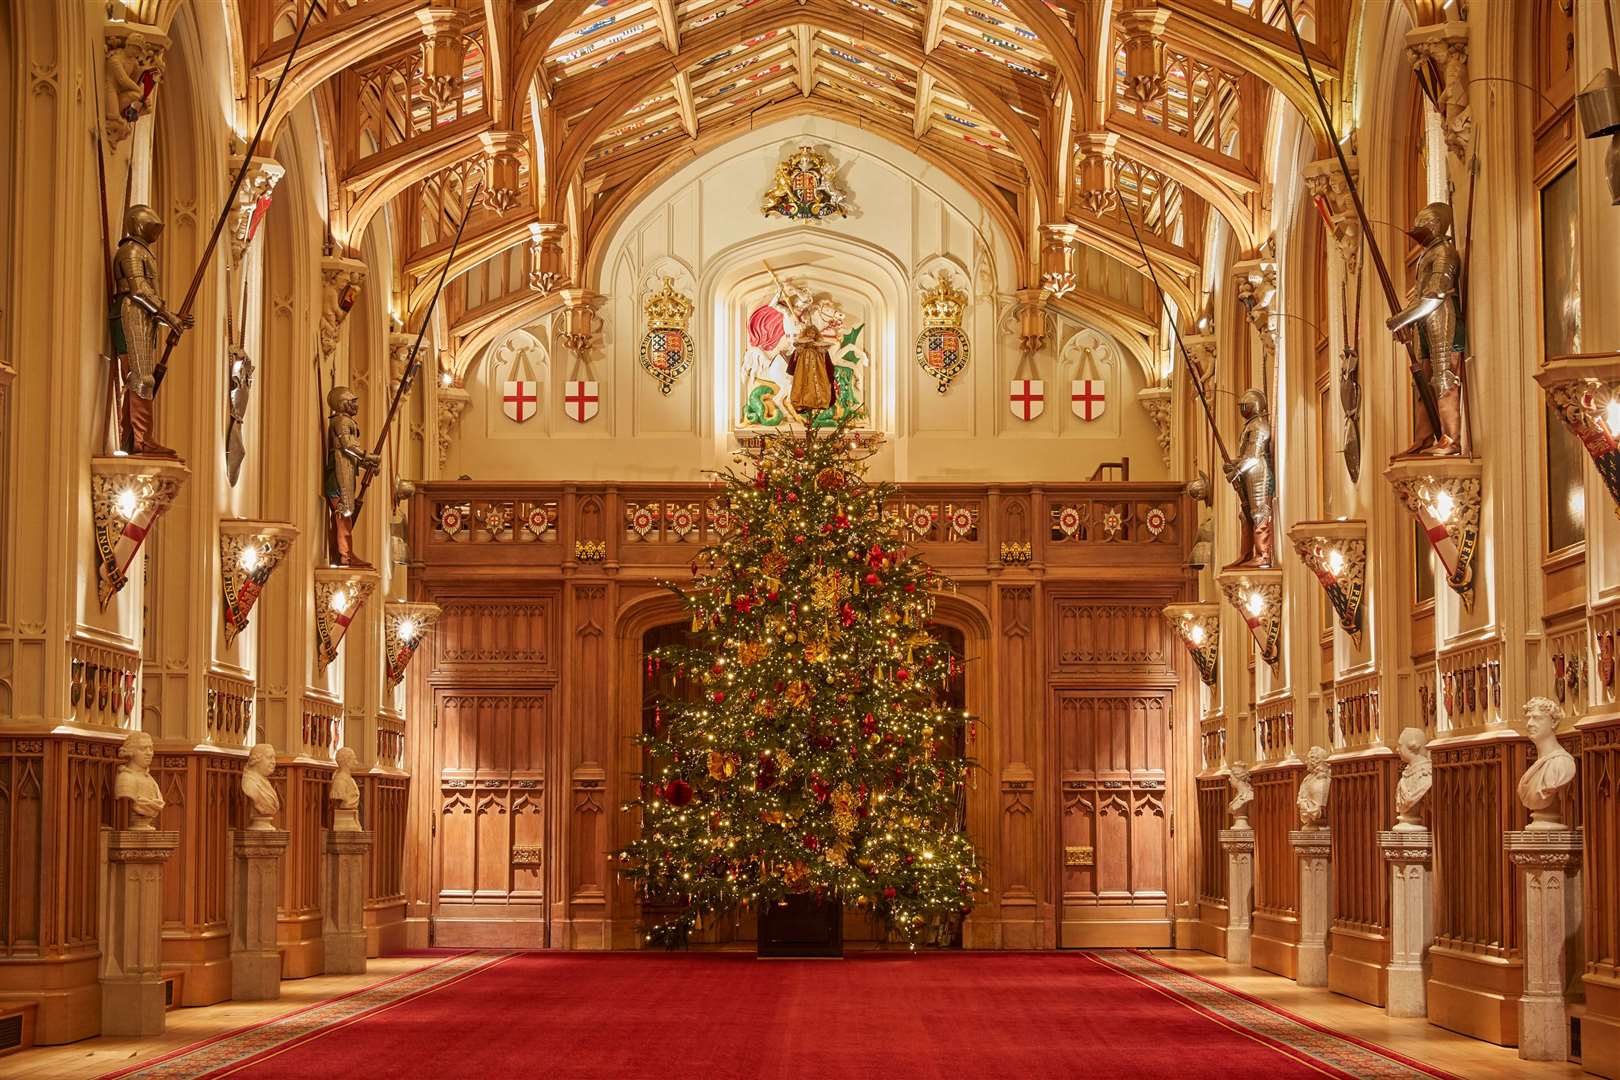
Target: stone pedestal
[
  {"x": 1314, "y": 850},
  {"x": 1551, "y": 860},
  {"x": 255, "y": 891},
  {"x": 132, "y": 931},
  {"x": 343, "y": 923},
  {"x": 1239, "y": 847},
  {"x": 1410, "y": 854}
]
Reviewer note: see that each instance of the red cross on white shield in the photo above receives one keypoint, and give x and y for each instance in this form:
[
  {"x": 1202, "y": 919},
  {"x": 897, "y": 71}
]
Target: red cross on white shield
[
  {"x": 520, "y": 399},
  {"x": 1088, "y": 398},
  {"x": 1026, "y": 398},
  {"x": 580, "y": 400}
]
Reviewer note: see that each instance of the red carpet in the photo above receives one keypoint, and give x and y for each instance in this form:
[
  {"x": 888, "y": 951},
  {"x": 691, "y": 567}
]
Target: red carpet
[{"x": 669, "y": 1016}]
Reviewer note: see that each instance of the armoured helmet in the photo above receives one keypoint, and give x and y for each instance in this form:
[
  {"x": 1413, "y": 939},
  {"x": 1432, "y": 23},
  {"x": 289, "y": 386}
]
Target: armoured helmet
[
  {"x": 339, "y": 398},
  {"x": 142, "y": 222}
]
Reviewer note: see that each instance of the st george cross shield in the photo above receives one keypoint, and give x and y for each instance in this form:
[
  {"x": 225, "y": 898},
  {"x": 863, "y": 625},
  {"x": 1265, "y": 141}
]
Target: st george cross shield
[
  {"x": 580, "y": 400},
  {"x": 1088, "y": 398},
  {"x": 520, "y": 399},
  {"x": 1027, "y": 398}
]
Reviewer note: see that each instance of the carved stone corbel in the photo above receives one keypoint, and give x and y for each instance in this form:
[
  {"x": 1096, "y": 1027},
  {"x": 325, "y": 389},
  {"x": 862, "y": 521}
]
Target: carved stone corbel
[
  {"x": 444, "y": 54},
  {"x": 1141, "y": 26},
  {"x": 578, "y": 323},
  {"x": 547, "y": 270},
  {"x": 1325, "y": 182},
  {"x": 399, "y": 354},
  {"x": 252, "y": 200},
  {"x": 341, "y": 281},
  {"x": 1201, "y": 351},
  {"x": 404, "y": 627},
  {"x": 127, "y": 496},
  {"x": 340, "y": 591},
  {"x": 1256, "y": 288},
  {"x": 1159, "y": 402},
  {"x": 503, "y": 153},
  {"x": 453, "y": 401},
  {"x": 1033, "y": 319},
  {"x": 1257, "y": 595},
  {"x": 1094, "y": 185},
  {"x": 1439, "y": 56},
  {"x": 1336, "y": 552},
  {"x": 1585, "y": 393},
  {"x": 1059, "y": 243},
  {"x": 249, "y": 552},
  {"x": 136, "y": 57},
  {"x": 1199, "y": 628},
  {"x": 1444, "y": 495}
]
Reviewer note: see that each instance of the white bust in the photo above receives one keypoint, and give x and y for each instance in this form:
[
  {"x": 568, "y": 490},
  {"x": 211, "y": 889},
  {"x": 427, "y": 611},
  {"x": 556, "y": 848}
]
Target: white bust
[
  {"x": 1553, "y": 770},
  {"x": 1313, "y": 790},
  {"x": 135, "y": 782},
  {"x": 256, "y": 785},
  {"x": 345, "y": 793},
  {"x": 1416, "y": 778},
  {"x": 1242, "y": 794}
]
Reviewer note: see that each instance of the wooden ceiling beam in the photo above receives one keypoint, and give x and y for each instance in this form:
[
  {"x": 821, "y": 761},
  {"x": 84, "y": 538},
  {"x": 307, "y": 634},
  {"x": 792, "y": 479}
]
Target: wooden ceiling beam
[{"x": 683, "y": 97}]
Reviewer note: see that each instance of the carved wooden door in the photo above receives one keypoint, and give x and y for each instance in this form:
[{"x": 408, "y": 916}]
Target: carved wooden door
[
  {"x": 1113, "y": 756},
  {"x": 489, "y": 833}
]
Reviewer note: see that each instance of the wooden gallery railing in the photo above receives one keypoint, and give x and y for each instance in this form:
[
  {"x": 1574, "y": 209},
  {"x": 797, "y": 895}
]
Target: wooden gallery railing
[{"x": 533, "y": 680}]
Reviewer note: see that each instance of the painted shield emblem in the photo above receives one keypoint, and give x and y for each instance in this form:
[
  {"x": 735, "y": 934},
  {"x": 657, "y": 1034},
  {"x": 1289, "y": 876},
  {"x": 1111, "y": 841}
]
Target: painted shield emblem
[
  {"x": 942, "y": 351},
  {"x": 1027, "y": 398},
  {"x": 665, "y": 355},
  {"x": 520, "y": 399},
  {"x": 580, "y": 400},
  {"x": 1088, "y": 398},
  {"x": 804, "y": 186}
]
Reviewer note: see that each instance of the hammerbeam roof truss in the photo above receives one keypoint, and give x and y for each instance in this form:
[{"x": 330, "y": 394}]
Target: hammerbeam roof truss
[{"x": 601, "y": 97}]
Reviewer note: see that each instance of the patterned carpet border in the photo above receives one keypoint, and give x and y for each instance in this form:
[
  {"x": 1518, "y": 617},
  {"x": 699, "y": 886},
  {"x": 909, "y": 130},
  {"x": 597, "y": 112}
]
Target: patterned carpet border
[
  {"x": 236, "y": 1048},
  {"x": 1268, "y": 1023}
]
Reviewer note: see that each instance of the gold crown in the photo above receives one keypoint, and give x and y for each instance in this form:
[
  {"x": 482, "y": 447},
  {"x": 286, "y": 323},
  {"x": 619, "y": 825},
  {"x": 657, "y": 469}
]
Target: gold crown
[
  {"x": 942, "y": 305},
  {"x": 668, "y": 309}
]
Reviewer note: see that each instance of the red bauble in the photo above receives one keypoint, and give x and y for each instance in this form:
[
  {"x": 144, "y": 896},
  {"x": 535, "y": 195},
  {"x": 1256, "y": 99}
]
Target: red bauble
[
  {"x": 872, "y": 579},
  {"x": 772, "y": 595},
  {"x": 901, "y": 674},
  {"x": 846, "y": 614},
  {"x": 677, "y": 793},
  {"x": 719, "y": 696},
  {"x": 793, "y": 496},
  {"x": 911, "y": 586},
  {"x": 798, "y": 538},
  {"x": 798, "y": 451},
  {"x": 718, "y": 668},
  {"x": 890, "y": 893},
  {"x": 868, "y": 724}
]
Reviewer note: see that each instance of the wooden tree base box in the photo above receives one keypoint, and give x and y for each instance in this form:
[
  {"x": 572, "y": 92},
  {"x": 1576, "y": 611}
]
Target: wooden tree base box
[{"x": 801, "y": 925}]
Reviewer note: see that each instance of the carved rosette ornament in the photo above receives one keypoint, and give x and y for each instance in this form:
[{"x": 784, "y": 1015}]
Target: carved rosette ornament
[
  {"x": 547, "y": 271},
  {"x": 666, "y": 347},
  {"x": 1439, "y": 56},
  {"x": 340, "y": 591},
  {"x": 1159, "y": 402},
  {"x": 1059, "y": 246},
  {"x": 1585, "y": 393},
  {"x": 1199, "y": 628},
  {"x": 249, "y": 552},
  {"x": 404, "y": 627},
  {"x": 1444, "y": 495},
  {"x": 1336, "y": 552},
  {"x": 1141, "y": 26},
  {"x": 453, "y": 401},
  {"x": 341, "y": 281},
  {"x": 503, "y": 157},
  {"x": 942, "y": 347},
  {"x": 135, "y": 61},
  {"x": 444, "y": 55},
  {"x": 1325, "y": 183},
  {"x": 127, "y": 496},
  {"x": 252, "y": 202},
  {"x": 1094, "y": 175},
  {"x": 1257, "y": 595}
]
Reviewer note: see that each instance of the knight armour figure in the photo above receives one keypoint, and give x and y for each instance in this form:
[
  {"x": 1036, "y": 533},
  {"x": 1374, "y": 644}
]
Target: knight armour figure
[
  {"x": 1255, "y": 479},
  {"x": 138, "y": 317},
  {"x": 345, "y": 458},
  {"x": 1435, "y": 317}
]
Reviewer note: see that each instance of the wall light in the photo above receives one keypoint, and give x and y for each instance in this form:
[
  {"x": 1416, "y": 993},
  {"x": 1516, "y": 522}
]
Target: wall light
[
  {"x": 127, "y": 496},
  {"x": 249, "y": 552},
  {"x": 340, "y": 592},
  {"x": 1198, "y": 626}
]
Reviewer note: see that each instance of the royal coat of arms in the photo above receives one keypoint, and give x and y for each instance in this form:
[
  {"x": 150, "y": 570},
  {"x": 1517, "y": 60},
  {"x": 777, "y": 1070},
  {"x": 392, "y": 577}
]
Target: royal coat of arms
[
  {"x": 666, "y": 350},
  {"x": 942, "y": 347},
  {"x": 803, "y": 189}
]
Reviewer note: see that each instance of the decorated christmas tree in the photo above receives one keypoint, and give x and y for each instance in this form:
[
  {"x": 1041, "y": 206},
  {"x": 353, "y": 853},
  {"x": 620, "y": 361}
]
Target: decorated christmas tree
[{"x": 810, "y": 752}]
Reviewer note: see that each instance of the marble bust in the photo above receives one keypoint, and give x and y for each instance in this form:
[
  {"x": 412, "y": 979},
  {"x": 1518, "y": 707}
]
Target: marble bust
[
  {"x": 135, "y": 782},
  {"x": 345, "y": 793},
  {"x": 1313, "y": 790},
  {"x": 1553, "y": 770},
  {"x": 1416, "y": 779},
  {"x": 1242, "y": 794},
  {"x": 261, "y": 794}
]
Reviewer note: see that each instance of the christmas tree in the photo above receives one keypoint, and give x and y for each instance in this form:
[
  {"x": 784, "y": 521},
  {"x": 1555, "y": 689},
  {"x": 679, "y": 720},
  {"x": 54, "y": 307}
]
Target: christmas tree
[{"x": 810, "y": 752}]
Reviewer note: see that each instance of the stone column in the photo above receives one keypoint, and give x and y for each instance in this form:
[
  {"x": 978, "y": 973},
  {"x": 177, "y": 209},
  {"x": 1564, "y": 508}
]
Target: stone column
[
  {"x": 1552, "y": 929},
  {"x": 1314, "y": 850},
  {"x": 132, "y": 931},
  {"x": 343, "y": 927},
  {"x": 1239, "y": 847},
  {"x": 255, "y": 890},
  {"x": 1410, "y": 854}
]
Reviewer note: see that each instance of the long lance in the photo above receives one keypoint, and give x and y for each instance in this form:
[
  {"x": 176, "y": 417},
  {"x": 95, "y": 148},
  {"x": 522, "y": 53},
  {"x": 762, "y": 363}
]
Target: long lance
[
  {"x": 413, "y": 362},
  {"x": 1192, "y": 368},
  {"x": 230, "y": 200},
  {"x": 1425, "y": 392}
]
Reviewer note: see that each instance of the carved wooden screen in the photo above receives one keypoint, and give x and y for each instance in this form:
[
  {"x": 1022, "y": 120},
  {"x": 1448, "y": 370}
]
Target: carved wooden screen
[
  {"x": 1213, "y": 797},
  {"x": 1113, "y": 752},
  {"x": 491, "y": 825}
]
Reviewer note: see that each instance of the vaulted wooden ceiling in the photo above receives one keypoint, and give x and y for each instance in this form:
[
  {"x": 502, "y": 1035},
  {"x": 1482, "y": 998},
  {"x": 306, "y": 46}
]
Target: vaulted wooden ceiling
[{"x": 1067, "y": 114}]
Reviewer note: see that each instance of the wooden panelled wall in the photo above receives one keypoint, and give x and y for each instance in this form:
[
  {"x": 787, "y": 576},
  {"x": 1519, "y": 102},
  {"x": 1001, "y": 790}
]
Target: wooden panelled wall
[{"x": 527, "y": 699}]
